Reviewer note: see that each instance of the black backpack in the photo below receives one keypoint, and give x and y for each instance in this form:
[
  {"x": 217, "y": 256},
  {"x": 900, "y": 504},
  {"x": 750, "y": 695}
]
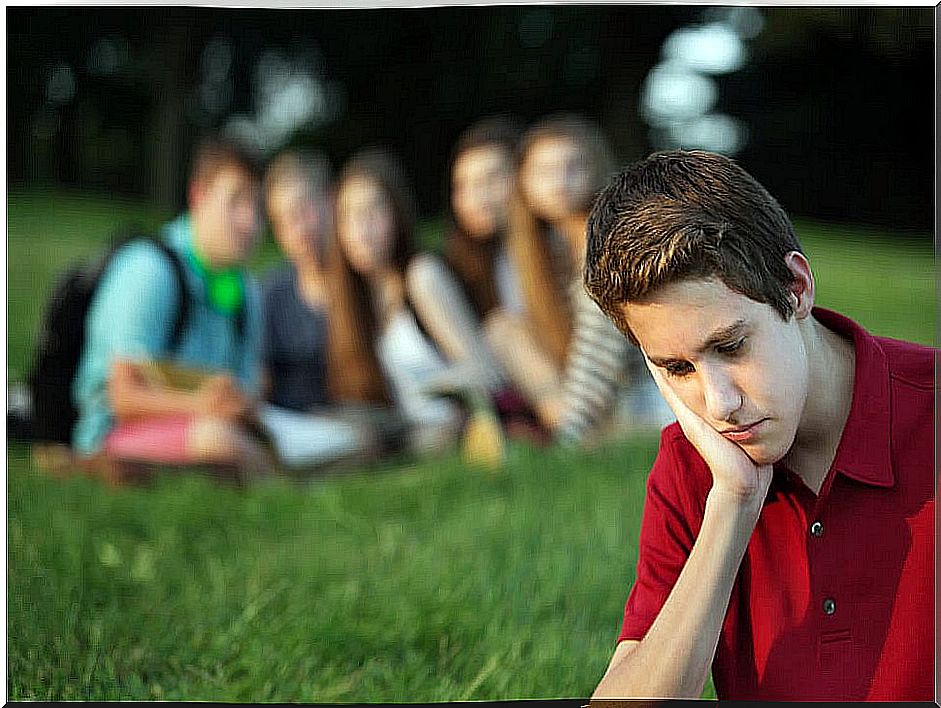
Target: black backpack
[{"x": 62, "y": 338}]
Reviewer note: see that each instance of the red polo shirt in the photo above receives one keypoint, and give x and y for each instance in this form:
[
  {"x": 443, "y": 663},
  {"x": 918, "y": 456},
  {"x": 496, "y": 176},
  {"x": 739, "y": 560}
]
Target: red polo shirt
[{"x": 834, "y": 599}]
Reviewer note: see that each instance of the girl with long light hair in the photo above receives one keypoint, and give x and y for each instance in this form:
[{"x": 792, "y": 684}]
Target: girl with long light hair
[{"x": 561, "y": 352}]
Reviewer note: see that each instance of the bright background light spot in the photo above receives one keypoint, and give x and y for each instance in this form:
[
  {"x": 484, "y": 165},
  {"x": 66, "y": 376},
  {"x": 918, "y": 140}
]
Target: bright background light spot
[
  {"x": 711, "y": 49},
  {"x": 672, "y": 92},
  {"x": 716, "y": 132},
  {"x": 290, "y": 94}
]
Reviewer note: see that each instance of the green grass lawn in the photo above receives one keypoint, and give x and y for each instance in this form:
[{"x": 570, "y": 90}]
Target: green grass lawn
[
  {"x": 422, "y": 583},
  {"x": 399, "y": 583}
]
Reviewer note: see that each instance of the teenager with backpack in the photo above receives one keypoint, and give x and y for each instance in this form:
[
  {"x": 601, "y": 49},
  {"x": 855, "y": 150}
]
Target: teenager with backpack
[{"x": 129, "y": 407}]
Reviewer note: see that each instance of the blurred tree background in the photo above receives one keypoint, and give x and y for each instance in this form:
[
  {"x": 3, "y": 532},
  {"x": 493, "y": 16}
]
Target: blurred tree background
[{"x": 831, "y": 108}]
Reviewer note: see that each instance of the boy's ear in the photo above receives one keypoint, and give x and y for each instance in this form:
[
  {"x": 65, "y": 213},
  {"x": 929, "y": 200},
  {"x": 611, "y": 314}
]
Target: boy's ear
[{"x": 801, "y": 289}]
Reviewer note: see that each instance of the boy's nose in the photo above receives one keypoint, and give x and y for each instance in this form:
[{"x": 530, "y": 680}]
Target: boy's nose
[{"x": 722, "y": 397}]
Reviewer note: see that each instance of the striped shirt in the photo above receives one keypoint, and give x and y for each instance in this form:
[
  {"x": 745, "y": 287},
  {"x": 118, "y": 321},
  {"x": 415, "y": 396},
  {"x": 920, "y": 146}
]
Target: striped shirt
[{"x": 596, "y": 365}]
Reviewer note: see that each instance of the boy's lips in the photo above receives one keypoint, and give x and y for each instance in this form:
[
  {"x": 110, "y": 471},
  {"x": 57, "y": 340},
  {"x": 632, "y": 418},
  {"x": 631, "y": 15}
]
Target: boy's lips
[{"x": 742, "y": 433}]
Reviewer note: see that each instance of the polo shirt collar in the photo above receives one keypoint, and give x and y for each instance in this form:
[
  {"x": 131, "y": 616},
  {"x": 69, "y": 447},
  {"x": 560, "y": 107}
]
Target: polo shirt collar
[{"x": 864, "y": 452}]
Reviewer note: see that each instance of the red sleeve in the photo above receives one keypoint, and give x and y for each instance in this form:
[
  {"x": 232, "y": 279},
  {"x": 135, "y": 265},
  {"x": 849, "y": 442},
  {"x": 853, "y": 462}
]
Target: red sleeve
[{"x": 673, "y": 511}]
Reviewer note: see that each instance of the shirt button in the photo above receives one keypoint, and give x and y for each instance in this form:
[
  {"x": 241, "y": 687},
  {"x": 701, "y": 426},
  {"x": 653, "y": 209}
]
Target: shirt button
[
  {"x": 829, "y": 606},
  {"x": 816, "y": 529}
]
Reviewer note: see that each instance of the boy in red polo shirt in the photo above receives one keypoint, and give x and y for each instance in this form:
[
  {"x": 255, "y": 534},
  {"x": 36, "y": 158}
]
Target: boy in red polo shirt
[{"x": 787, "y": 537}]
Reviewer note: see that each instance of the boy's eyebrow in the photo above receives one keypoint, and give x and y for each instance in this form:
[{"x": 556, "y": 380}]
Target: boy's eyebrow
[
  {"x": 718, "y": 337},
  {"x": 663, "y": 363},
  {"x": 723, "y": 335}
]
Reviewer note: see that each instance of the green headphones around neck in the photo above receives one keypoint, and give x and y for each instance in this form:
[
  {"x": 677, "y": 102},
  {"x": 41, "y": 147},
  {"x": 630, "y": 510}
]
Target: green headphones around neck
[{"x": 225, "y": 287}]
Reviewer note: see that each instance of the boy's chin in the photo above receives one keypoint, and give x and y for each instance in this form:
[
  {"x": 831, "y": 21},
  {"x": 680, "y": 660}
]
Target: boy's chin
[{"x": 763, "y": 455}]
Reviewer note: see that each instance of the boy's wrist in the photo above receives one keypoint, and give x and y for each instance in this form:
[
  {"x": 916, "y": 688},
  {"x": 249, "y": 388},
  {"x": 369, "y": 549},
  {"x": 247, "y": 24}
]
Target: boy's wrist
[{"x": 734, "y": 506}]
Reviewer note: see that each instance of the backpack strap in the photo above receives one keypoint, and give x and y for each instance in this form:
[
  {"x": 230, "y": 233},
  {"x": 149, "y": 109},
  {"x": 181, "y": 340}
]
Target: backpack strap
[
  {"x": 183, "y": 307},
  {"x": 240, "y": 321}
]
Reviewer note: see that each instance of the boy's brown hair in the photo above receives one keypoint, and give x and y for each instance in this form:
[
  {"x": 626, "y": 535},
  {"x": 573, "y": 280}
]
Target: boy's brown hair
[
  {"x": 686, "y": 214},
  {"x": 213, "y": 152}
]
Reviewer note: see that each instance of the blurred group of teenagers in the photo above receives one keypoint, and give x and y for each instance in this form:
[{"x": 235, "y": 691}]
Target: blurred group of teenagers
[{"x": 360, "y": 345}]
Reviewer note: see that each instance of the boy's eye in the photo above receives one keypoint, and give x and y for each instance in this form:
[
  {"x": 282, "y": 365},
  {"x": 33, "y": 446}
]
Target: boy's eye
[
  {"x": 678, "y": 369},
  {"x": 731, "y": 347}
]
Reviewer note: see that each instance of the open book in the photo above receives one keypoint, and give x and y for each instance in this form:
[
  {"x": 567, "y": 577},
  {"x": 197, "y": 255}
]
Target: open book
[{"x": 170, "y": 374}]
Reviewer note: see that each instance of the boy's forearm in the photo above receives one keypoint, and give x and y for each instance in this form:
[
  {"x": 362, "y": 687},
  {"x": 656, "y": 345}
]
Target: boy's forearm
[
  {"x": 134, "y": 401},
  {"x": 154, "y": 403},
  {"x": 674, "y": 658}
]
